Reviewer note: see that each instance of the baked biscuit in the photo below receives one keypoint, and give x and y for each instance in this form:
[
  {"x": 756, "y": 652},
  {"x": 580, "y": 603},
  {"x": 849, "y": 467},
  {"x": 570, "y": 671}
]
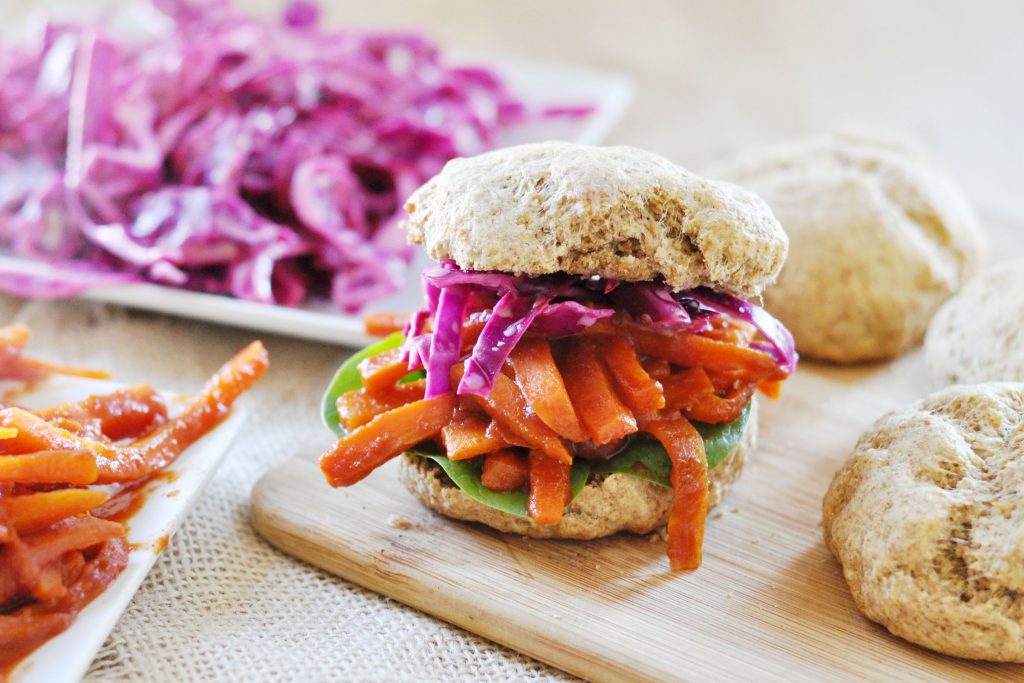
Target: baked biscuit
[
  {"x": 927, "y": 520},
  {"x": 978, "y": 335},
  {"x": 879, "y": 239},
  {"x": 615, "y": 212}
]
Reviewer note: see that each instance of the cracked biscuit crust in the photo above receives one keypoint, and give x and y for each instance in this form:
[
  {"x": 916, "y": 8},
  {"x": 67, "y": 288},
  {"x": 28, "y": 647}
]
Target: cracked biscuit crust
[
  {"x": 617, "y": 212},
  {"x": 880, "y": 238},
  {"x": 927, "y": 520}
]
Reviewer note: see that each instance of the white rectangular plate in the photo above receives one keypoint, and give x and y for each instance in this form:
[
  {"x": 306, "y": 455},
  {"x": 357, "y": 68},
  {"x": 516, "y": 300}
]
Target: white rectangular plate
[
  {"x": 168, "y": 500},
  {"x": 535, "y": 82}
]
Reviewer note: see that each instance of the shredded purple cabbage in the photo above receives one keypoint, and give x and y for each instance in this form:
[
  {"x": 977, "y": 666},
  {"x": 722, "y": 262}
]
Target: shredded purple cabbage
[
  {"x": 265, "y": 160},
  {"x": 555, "y": 306}
]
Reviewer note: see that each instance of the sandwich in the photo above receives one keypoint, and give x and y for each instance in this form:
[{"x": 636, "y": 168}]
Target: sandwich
[{"x": 588, "y": 356}]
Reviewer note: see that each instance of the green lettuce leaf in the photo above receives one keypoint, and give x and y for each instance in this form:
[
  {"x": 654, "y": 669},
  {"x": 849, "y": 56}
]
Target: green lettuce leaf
[
  {"x": 467, "y": 477},
  {"x": 645, "y": 458}
]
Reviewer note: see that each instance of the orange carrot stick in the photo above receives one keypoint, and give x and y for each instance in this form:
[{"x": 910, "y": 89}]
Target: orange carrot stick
[
  {"x": 504, "y": 471},
  {"x": 601, "y": 411},
  {"x": 121, "y": 414},
  {"x": 381, "y": 372},
  {"x": 542, "y": 385},
  {"x": 689, "y": 476},
  {"x": 49, "y": 467},
  {"x": 549, "y": 488},
  {"x": 692, "y": 350},
  {"x": 771, "y": 389},
  {"x": 467, "y": 437},
  {"x": 381, "y": 324},
  {"x": 370, "y": 446},
  {"x": 638, "y": 389},
  {"x": 37, "y": 510},
  {"x": 693, "y": 393},
  {"x": 356, "y": 408},
  {"x": 507, "y": 406}
]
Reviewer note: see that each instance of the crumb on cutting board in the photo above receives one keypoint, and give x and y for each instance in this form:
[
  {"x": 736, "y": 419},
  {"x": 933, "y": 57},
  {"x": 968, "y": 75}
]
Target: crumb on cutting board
[{"x": 399, "y": 522}]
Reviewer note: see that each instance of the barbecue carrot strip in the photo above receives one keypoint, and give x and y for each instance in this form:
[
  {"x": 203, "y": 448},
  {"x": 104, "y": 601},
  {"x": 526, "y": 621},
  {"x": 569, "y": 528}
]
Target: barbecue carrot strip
[
  {"x": 504, "y": 471},
  {"x": 693, "y": 393},
  {"x": 689, "y": 476},
  {"x": 37, "y": 510},
  {"x": 771, "y": 389},
  {"x": 601, "y": 411},
  {"x": 507, "y": 406},
  {"x": 49, "y": 467},
  {"x": 638, "y": 389},
  {"x": 122, "y": 414},
  {"x": 694, "y": 350},
  {"x": 357, "y": 407},
  {"x": 467, "y": 437},
  {"x": 549, "y": 488},
  {"x": 381, "y": 324},
  {"x": 381, "y": 372},
  {"x": 542, "y": 385},
  {"x": 387, "y": 435},
  {"x": 8, "y": 432}
]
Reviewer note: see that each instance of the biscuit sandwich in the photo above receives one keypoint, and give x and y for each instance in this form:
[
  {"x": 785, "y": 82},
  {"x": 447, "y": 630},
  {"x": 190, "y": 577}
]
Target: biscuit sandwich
[{"x": 587, "y": 359}]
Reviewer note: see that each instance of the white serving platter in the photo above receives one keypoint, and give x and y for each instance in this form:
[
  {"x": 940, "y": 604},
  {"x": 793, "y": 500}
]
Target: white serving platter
[
  {"x": 168, "y": 501},
  {"x": 535, "y": 82}
]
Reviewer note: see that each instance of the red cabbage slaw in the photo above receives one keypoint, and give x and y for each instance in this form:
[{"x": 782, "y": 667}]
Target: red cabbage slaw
[
  {"x": 555, "y": 305},
  {"x": 265, "y": 160}
]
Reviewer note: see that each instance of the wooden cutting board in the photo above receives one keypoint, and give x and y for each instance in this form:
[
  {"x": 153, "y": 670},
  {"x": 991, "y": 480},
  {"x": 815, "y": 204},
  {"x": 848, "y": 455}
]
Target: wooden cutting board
[{"x": 769, "y": 603}]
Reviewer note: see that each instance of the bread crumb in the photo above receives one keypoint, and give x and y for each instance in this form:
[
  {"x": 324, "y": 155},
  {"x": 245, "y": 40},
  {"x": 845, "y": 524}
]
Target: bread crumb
[
  {"x": 399, "y": 522},
  {"x": 734, "y": 510}
]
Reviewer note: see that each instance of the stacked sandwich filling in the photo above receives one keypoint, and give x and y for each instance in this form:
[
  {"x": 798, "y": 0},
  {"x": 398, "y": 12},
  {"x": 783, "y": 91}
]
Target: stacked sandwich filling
[{"x": 521, "y": 388}]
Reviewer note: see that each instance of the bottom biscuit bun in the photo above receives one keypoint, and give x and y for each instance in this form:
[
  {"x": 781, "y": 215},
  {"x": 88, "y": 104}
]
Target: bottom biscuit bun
[{"x": 609, "y": 504}]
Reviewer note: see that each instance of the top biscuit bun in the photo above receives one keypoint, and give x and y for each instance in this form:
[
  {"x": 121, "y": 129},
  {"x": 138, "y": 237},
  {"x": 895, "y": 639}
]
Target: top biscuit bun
[{"x": 615, "y": 212}]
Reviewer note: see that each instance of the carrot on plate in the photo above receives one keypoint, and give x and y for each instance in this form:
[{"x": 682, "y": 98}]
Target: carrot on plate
[
  {"x": 49, "y": 467},
  {"x": 370, "y": 446},
  {"x": 542, "y": 385},
  {"x": 37, "y": 510},
  {"x": 120, "y": 414},
  {"x": 357, "y": 407},
  {"x": 603, "y": 414},
  {"x": 467, "y": 436},
  {"x": 689, "y": 476},
  {"x": 549, "y": 488},
  {"x": 639, "y": 390},
  {"x": 505, "y": 471},
  {"x": 381, "y": 323}
]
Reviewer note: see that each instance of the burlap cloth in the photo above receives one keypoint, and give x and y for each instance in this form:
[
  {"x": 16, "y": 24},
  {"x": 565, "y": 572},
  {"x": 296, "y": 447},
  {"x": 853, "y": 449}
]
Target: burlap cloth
[{"x": 221, "y": 604}]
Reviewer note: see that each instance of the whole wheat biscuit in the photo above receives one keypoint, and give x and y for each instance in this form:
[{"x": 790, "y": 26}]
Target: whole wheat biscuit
[
  {"x": 617, "y": 212},
  {"x": 879, "y": 239},
  {"x": 978, "y": 335},
  {"x": 609, "y": 504},
  {"x": 927, "y": 519}
]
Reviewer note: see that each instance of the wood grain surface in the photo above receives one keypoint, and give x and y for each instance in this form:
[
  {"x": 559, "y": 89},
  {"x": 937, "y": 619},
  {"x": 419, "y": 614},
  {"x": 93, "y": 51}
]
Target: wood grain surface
[{"x": 769, "y": 603}]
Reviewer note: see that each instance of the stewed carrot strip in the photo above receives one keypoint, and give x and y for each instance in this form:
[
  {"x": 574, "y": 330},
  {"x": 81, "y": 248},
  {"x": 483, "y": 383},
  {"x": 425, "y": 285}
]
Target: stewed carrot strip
[
  {"x": 504, "y": 471},
  {"x": 542, "y": 385},
  {"x": 507, "y": 406},
  {"x": 689, "y": 476},
  {"x": 638, "y": 390},
  {"x": 8, "y": 432},
  {"x": 549, "y": 488},
  {"x": 466, "y": 437},
  {"x": 731, "y": 330},
  {"x": 387, "y": 435},
  {"x": 37, "y": 510},
  {"x": 381, "y": 372},
  {"x": 771, "y": 389},
  {"x": 601, "y": 411},
  {"x": 357, "y": 407},
  {"x": 121, "y": 414},
  {"x": 49, "y": 467},
  {"x": 693, "y": 394},
  {"x": 502, "y": 435},
  {"x": 161, "y": 446},
  {"x": 381, "y": 324},
  {"x": 692, "y": 350},
  {"x": 657, "y": 368}
]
